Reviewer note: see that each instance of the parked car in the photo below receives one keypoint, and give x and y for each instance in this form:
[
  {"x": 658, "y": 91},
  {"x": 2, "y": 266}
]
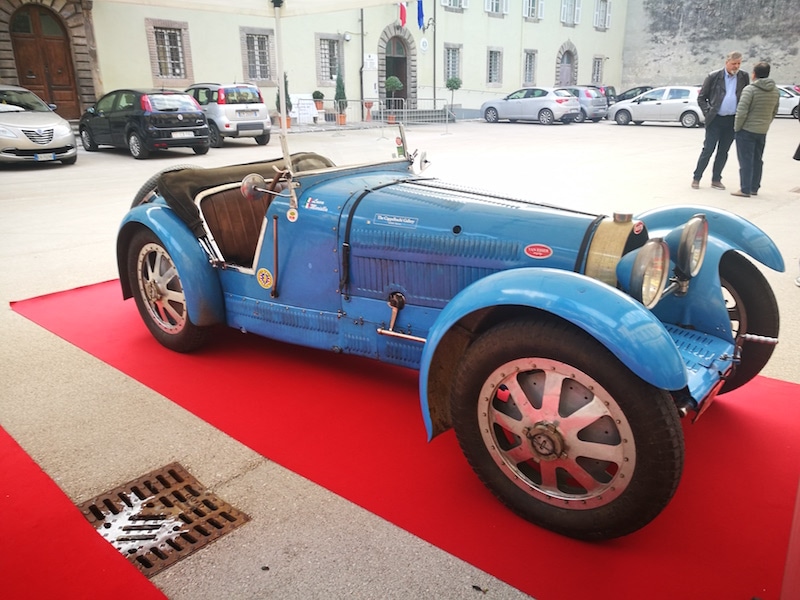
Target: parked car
[
  {"x": 671, "y": 104},
  {"x": 789, "y": 100},
  {"x": 562, "y": 346},
  {"x": 545, "y": 105},
  {"x": 31, "y": 131},
  {"x": 609, "y": 91},
  {"x": 144, "y": 121},
  {"x": 593, "y": 104},
  {"x": 633, "y": 92},
  {"x": 233, "y": 110}
]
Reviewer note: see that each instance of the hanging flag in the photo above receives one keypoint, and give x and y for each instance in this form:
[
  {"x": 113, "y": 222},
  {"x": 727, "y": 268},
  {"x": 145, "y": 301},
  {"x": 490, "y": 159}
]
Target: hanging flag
[
  {"x": 402, "y": 14},
  {"x": 420, "y": 15}
]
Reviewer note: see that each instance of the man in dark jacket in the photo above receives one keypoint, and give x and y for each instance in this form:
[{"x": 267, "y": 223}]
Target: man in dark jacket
[
  {"x": 718, "y": 99},
  {"x": 757, "y": 108}
]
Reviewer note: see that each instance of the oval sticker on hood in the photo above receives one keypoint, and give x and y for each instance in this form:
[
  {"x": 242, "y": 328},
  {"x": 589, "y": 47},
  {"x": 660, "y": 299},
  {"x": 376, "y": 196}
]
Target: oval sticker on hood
[{"x": 538, "y": 251}]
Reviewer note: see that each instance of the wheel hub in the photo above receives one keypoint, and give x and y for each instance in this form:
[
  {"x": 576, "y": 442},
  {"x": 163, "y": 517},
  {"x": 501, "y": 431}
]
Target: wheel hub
[
  {"x": 151, "y": 291},
  {"x": 546, "y": 441}
]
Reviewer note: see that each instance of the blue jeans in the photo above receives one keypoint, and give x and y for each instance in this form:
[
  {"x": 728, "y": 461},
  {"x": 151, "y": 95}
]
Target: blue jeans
[
  {"x": 719, "y": 137},
  {"x": 750, "y": 150}
]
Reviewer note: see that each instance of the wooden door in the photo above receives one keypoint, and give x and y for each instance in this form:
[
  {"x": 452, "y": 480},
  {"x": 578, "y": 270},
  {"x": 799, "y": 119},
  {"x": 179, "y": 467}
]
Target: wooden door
[{"x": 43, "y": 58}]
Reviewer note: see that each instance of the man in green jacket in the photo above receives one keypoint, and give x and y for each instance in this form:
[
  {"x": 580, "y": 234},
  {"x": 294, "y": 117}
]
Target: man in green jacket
[{"x": 754, "y": 114}]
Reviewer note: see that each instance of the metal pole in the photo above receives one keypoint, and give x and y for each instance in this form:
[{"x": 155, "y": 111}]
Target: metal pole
[{"x": 281, "y": 87}]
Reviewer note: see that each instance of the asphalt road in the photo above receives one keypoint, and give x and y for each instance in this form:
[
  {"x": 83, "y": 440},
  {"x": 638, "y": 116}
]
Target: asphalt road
[{"x": 57, "y": 231}]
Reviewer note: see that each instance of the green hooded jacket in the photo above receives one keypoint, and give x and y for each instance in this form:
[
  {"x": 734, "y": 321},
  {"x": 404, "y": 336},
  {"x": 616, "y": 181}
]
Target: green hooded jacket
[{"x": 757, "y": 106}]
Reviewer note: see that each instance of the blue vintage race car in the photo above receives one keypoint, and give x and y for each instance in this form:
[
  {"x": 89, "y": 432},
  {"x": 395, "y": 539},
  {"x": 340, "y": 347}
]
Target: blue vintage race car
[{"x": 563, "y": 347}]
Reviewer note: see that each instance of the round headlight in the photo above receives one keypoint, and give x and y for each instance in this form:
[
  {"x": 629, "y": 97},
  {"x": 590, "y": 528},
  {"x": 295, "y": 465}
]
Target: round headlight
[
  {"x": 692, "y": 248},
  {"x": 649, "y": 272}
]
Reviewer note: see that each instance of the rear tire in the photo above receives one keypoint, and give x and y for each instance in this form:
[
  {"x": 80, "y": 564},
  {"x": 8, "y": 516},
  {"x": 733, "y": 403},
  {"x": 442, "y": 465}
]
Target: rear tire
[
  {"x": 546, "y": 116},
  {"x": 262, "y": 140},
  {"x": 159, "y": 294},
  {"x": 137, "y": 147},
  {"x": 581, "y": 117},
  {"x": 151, "y": 185},
  {"x": 214, "y": 137}
]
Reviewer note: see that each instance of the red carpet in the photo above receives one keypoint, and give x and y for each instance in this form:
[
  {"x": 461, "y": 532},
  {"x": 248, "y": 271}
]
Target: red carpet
[
  {"x": 354, "y": 427},
  {"x": 47, "y": 548}
]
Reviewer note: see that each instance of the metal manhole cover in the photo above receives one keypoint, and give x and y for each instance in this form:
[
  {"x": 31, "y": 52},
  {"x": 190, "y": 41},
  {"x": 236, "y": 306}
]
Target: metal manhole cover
[{"x": 160, "y": 518}]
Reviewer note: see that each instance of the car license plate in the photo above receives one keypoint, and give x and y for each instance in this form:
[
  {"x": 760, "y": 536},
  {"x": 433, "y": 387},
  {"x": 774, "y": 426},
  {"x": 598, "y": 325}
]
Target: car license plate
[
  {"x": 182, "y": 134},
  {"x": 44, "y": 157},
  {"x": 246, "y": 113}
]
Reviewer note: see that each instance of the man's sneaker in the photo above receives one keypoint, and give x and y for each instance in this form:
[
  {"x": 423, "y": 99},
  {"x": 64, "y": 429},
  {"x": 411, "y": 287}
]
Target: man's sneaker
[
  {"x": 717, "y": 185},
  {"x": 740, "y": 193},
  {"x": 695, "y": 184}
]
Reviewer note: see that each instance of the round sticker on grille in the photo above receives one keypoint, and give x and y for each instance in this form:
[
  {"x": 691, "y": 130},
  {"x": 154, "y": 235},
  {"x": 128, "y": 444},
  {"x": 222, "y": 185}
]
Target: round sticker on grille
[{"x": 538, "y": 251}]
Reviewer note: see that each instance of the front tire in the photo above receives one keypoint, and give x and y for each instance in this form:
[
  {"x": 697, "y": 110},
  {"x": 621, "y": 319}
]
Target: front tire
[
  {"x": 752, "y": 308},
  {"x": 200, "y": 150},
  {"x": 491, "y": 116},
  {"x": 563, "y": 433},
  {"x": 623, "y": 117},
  {"x": 159, "y": 294},
  {"x": 87, "y": 140}
]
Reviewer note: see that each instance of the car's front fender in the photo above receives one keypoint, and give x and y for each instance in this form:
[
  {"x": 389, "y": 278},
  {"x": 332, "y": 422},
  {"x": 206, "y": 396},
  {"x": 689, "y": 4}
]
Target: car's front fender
[
  {"x": 620, "y": 323},
  {"x": 734, "y": 231},
  {"x": 203, "y": 291}
]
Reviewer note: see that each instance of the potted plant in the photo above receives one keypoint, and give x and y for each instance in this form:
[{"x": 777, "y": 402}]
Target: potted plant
[
  {"x": 340, "y": 98},
  {"x": 392, "y": 85},
  {"x": 452, "y": 84},
  {"x": 318, "y": 97},
  {"x": 288, "y": 100}
]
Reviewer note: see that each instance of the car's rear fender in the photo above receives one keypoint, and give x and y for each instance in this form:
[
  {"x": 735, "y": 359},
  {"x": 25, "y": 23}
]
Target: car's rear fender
[
  {"x": 730, "y": 229},
  {"x": 620, "y": 323},
  {"x": 201, "y": 285}
]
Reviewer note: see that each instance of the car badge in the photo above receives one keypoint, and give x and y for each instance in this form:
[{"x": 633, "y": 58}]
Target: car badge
[{"x": 180, "y": 117}]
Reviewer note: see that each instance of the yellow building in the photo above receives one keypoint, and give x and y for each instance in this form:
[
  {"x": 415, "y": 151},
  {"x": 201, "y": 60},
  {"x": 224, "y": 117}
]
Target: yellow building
[{"x": 72, "y": 51}]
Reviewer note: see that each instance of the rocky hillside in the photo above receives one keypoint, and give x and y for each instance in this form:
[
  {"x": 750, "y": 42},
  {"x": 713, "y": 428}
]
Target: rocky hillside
[{"x": 680, "y": 41}]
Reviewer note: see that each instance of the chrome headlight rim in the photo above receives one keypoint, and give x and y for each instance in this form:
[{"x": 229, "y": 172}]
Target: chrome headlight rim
[
  {"x": 692, "y": 246},
  {"x": 650, "y": 272}
]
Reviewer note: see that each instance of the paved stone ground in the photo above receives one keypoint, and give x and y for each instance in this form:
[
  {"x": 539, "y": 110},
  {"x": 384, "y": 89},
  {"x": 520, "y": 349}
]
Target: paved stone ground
[{"x": 73, "y": 413}]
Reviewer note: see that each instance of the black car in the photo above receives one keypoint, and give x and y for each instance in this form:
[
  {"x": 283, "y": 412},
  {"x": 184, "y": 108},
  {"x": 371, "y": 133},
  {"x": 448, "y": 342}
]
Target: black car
[
  {"x": 633, "y": 92},
  {"x": 144, "y": 121}
]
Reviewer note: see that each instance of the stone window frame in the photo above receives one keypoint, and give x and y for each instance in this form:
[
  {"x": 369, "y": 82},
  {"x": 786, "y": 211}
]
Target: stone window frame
[
  {"x": 336, "y": 40},
  {"x": 188, "y": 66},
  {"x": 458, "y": 49},
  {"x": 244, "y": 32},
  {"x": 533, "y": 55},
  {"x": 489, "y": 52}
]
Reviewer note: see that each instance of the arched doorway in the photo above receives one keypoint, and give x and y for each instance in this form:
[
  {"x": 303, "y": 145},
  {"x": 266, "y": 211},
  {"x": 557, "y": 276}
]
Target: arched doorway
[
  {"x": 567, "y": 64},
  {"x": 397, "y": 65},
  {"x": 397, "y": 55},
  {"x": 43, "y": 57}
]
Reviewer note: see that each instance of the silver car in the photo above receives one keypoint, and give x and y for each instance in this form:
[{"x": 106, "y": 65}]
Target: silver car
[
  {"x": 545, "y": 105},
  {"x": 233, "y": 110},
  {"x": 31, "y": 131},
  {"x": 789, "y": 102},
  {"x": 671, "y": 104},
  {"x": 594, "y": 106}
]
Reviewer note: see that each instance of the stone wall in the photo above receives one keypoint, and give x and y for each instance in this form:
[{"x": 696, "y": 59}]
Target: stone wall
[{"x": 680, "y": 41}]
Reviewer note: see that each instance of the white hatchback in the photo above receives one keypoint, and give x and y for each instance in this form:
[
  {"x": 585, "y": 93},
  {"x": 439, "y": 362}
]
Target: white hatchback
[{"x": 672, "y": 104}]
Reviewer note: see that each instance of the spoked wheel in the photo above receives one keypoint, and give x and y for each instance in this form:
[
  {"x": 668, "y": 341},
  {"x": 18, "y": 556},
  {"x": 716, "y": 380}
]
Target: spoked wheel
[
  {"x": 623, "y": 117},
  {"x": 159, "y": 294},
  {"x": 689, "y": 119},
  {"x": 491, "y": 115},
  {"x": 752, "y": 308},
  {"x": 581, "y": 117},
  {"x": 137, "y": 147},
  {"x": 563, "y": 433},
  {"x": 87, "y": 140},
  {"x": 546, "y": 116},
  {"x": 214, "y": 137}
]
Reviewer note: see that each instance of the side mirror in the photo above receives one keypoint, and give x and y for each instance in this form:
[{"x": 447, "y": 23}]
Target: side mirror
[{"x": 253, "y": 187}]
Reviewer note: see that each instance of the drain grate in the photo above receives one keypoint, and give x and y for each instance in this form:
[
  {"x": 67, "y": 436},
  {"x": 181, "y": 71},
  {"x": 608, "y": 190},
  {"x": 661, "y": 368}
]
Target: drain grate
[{"x": 160, "y": 518}]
